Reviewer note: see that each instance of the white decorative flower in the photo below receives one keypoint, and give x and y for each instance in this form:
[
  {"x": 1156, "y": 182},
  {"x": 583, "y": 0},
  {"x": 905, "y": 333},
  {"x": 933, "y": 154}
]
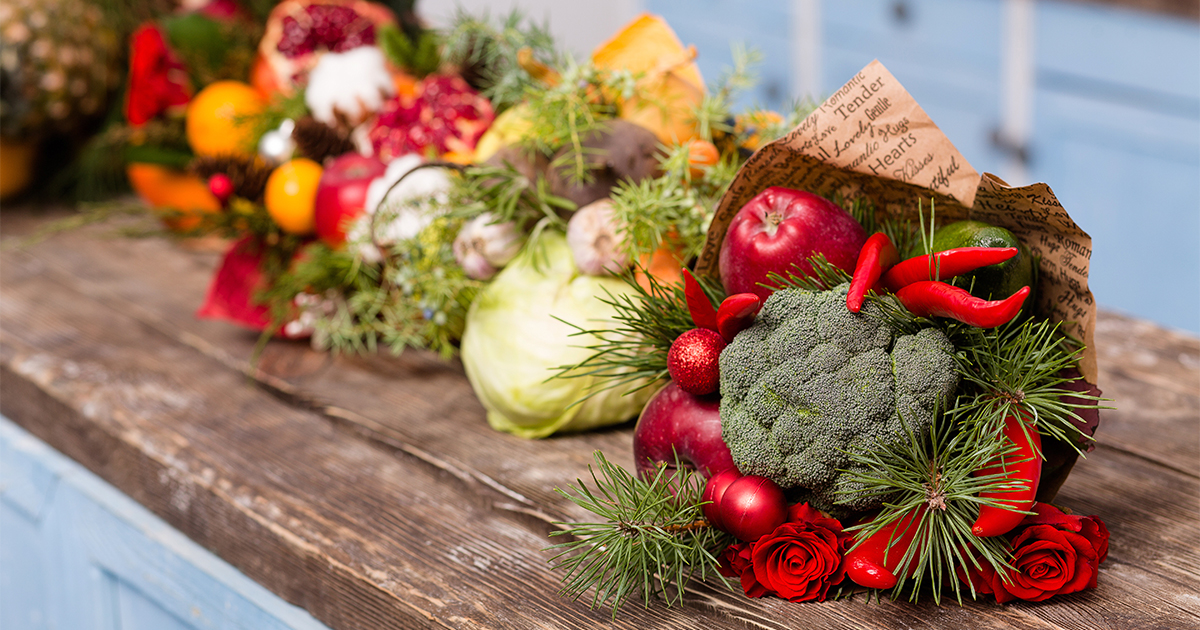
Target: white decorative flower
[{"x": 354, "y": 83}]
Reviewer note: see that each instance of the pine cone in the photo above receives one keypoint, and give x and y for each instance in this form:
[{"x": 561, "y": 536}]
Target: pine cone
[
  {"x": 248, "y": 175},
  {"x": 316, "y": 141}
]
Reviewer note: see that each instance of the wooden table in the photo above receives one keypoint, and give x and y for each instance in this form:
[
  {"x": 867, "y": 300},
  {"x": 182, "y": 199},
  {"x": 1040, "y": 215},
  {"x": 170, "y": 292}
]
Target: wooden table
[{"x": 370, "y": 490}]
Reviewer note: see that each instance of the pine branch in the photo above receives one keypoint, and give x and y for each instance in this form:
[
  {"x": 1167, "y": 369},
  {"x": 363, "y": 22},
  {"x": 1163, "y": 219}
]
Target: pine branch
[
  {"x": 903, "y": 234},
  {"x": 933, "y": 476},
  {"x": 420, "y": 57},
  {"x": 656, "y": 212},
  {"x": 825, "y": 275},
  {"x": 486, "y": 51},
  {"x": 508, "y": 193},
  {"x": 1016, "y": 369},
  {"x": 714, "y": 113},
  {"x": 563, "y": 114},
  {"x": 653, "y": 538}
]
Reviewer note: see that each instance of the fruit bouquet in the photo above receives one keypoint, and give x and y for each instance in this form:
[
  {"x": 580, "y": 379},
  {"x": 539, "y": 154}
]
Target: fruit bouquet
[
  {"x": 421, "y": 213},
  {"x": 876, "y": 376},
  {"x": 277, "y": 152}
]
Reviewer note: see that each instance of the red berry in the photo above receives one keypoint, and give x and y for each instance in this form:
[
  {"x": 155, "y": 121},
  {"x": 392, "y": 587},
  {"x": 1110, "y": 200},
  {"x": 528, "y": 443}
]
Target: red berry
[
  {"x": 221, "y": 187},
  {"x": 753, "y": 507},
  {"x": 693, "y": 361},
  {"x": 714, "y": 489}
]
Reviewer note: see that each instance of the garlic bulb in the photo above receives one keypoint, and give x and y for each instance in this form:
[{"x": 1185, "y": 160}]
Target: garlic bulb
[
  {"x": 592, "y": 236},
  {"x": 483, "y": 246},
  {"x": 351, "y": 84}
]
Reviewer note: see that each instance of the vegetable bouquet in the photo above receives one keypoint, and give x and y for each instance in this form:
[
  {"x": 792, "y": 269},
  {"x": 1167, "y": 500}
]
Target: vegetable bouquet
[{"x": 866, "y": 382}]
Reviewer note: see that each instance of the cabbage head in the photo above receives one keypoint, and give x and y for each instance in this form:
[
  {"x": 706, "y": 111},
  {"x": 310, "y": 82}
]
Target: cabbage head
[{"x": 513, "y": 345}]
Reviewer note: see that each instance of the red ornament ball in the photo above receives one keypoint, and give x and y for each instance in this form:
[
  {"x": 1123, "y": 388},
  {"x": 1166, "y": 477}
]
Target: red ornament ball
[
  {"x": 714, "y": 489},
  {"x": 693, "y": 360},
  {"x": 752, "y": 507}
]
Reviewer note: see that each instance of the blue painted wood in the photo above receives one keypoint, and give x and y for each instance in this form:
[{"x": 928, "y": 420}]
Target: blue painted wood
[
  {"x": 1117, "y": 134},
  {"x": 1114, "y": 53},
  {"x": 1135, "y": 187},
  {"x": 715, "y": 26},
  {"x": 77, "y": 554},
  {"x": 946, "y": 53}
]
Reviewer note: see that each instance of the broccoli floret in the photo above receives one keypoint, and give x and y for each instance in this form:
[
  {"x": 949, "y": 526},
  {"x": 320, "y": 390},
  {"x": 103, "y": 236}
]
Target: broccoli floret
[{"x": 810, "y": 382}]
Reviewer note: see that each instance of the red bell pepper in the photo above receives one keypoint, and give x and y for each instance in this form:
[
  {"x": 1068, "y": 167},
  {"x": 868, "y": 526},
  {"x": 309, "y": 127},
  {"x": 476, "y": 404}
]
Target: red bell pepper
[{"x": 877, "y": 255}]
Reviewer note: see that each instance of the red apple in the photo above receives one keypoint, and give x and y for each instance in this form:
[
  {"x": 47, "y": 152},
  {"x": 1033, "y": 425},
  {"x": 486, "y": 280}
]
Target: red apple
[
  {"x": 341, "y": 194},
  {"x": 676, "y": 422},
  {"x": 779, "y": 228}
]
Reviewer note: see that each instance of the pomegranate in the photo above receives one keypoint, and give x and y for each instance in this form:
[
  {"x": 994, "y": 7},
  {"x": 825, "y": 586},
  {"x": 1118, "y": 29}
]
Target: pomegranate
[
  {"x": 299, "y": 31},
  {"x": 443, "y": 114}
]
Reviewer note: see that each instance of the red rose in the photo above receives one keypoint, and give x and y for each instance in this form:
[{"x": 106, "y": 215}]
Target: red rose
[
  {"x": 157, "y": 78},
  {"x": 735, "y": 562},
  {"x": 1052, "y": 553},
  {"x": 1090, "y": 527},
  {"x": 802, "y": 558}
]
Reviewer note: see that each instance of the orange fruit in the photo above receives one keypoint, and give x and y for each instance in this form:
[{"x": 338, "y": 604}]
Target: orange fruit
[
  {"x": 665, "y": 264},
  {"x": 217, "y": 118},
  {"x": 180, "y": 198},
  {"x": 291, "y": 193}
]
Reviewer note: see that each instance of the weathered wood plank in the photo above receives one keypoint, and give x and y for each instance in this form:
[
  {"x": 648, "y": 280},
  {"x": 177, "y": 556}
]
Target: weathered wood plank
[
  {"x": 1153, "y": 377},
  {"x": 356, "y": 535},
  {"x": 366, "y": 533}
]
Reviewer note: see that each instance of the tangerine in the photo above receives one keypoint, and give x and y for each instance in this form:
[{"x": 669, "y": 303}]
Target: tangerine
[
  {"x": 216, "y": 118},
  {"x": 291, "y": 194}
]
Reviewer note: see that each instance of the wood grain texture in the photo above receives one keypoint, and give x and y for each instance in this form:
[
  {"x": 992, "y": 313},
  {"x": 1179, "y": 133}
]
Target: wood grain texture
[{"x": 371, "y": 491}]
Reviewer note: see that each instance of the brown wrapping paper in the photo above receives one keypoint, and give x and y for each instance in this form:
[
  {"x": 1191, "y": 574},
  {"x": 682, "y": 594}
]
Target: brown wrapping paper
[{"x": 872, "y": 139}]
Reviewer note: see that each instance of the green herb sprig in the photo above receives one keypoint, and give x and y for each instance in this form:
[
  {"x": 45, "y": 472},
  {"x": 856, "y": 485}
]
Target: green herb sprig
[{"x": 487, "y": 51}]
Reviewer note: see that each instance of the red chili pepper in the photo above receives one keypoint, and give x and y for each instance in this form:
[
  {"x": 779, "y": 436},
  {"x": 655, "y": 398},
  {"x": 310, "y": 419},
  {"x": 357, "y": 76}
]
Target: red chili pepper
[
  {"x": 874, "y": 562},
  {"x": 877, "y": 255},
  {"x": 700, "y": 307},
  {"x": 944, "y": 265},
  {"x": 929, "y": 298},
  {"x": 736, "y": 313},
  {"x": 1024, "y": 466}
]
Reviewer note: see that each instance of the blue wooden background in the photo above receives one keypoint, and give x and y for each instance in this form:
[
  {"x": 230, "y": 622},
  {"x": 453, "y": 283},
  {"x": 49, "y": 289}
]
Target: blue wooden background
[
  {"x": 76, "y": 554},
  {"x": 1115, "y": 102}
]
